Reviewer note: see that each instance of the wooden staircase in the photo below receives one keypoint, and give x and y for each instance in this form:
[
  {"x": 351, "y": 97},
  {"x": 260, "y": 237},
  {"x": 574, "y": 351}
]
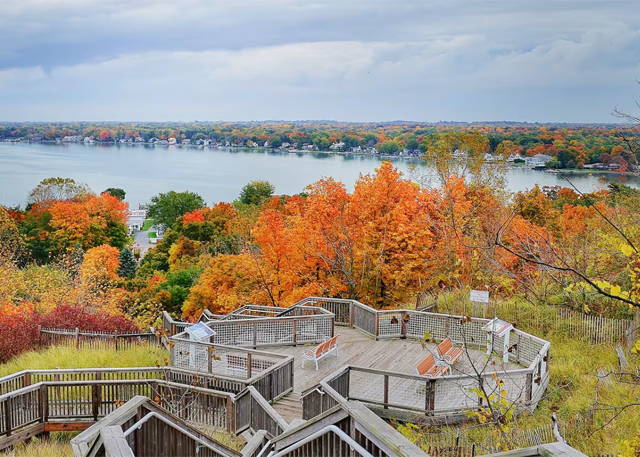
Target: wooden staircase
[{"x": 289, "y": 407}]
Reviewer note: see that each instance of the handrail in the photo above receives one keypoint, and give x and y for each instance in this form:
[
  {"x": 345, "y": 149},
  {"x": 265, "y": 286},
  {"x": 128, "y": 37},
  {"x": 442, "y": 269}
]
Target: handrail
[
  {"x": 271, "y": 412},
  {"x": 113, "y": 382},
  {"x": 183, "y": 430},
  {"x": 330, "y": 428}
]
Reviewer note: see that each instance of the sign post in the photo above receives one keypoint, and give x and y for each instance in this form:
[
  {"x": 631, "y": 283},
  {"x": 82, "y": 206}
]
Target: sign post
[
  {"x": 200, "y": 333},
  {"x": 480, "y": 296},
  {"x": 497, "y": 328}
]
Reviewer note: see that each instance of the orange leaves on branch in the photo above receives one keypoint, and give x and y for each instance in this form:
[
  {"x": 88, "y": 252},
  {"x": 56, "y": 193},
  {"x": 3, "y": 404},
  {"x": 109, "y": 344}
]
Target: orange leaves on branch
[
  {"x": 100, "y": 265},
  {"x": 90, "y": 221}
]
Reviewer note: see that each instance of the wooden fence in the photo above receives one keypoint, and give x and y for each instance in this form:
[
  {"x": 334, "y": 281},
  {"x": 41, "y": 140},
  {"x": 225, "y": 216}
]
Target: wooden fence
[
  {"x": 95, "y": 340},
  {"x": 462, "y": 444},
  {"x": 402, "y": 396},
  {"x": 78, "y": 404},
  {"x": 141, "y": 427},
  {"x": 543, "y": 319}
]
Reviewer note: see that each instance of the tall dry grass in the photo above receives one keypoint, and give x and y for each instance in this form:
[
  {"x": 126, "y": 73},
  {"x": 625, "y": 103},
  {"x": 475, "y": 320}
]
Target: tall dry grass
[{"x": 67, "y": 357}]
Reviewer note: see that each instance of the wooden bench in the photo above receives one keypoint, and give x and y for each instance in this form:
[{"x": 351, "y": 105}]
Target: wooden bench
[
  {"x": 320, "y": 351},
  {"x": 448, "y": 352},
  {"x": 429, "y": 367}
]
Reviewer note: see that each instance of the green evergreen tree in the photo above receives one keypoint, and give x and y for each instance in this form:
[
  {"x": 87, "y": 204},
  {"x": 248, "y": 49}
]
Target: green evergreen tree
[{"x": 128, "y": 264}]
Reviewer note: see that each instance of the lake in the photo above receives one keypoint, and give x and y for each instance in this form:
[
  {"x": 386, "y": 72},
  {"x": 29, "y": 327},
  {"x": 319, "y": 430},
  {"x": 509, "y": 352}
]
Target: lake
[{"x": 216, "y": 174}]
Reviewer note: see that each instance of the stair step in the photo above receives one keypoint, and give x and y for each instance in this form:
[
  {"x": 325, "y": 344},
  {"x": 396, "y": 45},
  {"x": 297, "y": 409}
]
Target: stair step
[{"x": 289, "y": 407}]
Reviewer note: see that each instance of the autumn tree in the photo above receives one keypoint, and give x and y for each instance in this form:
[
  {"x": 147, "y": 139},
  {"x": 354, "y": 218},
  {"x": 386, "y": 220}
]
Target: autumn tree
[
  {"x": 165, "y": 208},
  {"x": 463, "y": 154},
  {"x": 57, "y": 189},
  {"x": 120, "y": 194},
  {"x": 100, "y": 266},
  {"x": 91, "y": 222},
  {"x": 229, "y": 282},
  {"x": 389, "y": 147},
  {"x": 256, "y": 192}
]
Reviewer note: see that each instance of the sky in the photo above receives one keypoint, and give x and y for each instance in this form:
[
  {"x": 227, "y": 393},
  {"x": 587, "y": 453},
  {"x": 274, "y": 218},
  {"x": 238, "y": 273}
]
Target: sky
[{"x": 346, "y": 60}]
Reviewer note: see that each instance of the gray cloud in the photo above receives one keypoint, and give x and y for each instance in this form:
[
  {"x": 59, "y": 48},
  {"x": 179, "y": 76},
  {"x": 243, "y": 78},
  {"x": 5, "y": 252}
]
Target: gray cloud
[{"x": 570, "y": 60}]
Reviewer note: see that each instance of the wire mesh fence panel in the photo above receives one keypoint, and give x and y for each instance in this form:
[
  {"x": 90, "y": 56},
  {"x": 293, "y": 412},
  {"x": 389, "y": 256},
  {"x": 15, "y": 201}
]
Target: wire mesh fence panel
[
  {"x": 455, "y": 394},
  {"x": 406, "y": 393},
  {"x": 391, "y": 324},
  {"x": 366, "y": 386}
]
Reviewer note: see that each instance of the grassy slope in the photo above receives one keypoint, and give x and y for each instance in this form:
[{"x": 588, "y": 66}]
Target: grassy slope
[
  {"x": 571, "y": 394},
  {"x": 57, "y": 446},
  {"x": 64, "y": 357}
]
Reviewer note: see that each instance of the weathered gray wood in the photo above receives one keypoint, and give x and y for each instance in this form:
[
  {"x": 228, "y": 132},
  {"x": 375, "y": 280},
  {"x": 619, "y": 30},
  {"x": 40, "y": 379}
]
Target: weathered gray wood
[
  {"x": 255, "y": 444},
  {"x": 21, "y": 436},
  {"x": 114, "y": 442}
]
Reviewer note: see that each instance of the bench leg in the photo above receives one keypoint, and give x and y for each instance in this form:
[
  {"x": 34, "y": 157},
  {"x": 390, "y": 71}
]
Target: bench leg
[{"x": 316, "y": 364}]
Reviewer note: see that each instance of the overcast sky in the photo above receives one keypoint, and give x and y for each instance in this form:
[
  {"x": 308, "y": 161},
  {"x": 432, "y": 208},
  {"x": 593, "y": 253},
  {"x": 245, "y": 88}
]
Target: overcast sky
[{"x": 350, "y": 60}]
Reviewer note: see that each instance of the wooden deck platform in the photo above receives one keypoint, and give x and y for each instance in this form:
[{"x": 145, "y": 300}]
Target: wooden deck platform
[{"x": 397, "y": 355}]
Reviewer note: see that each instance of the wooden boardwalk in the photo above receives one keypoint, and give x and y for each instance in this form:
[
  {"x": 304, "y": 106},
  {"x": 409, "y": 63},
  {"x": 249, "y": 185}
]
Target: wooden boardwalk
[{"x": 355, "y": 348}]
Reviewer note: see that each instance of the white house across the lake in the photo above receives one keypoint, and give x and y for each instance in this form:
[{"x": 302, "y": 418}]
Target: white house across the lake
[
  {"x": 538, "y": 160},
  {"x": 136, "y": 219}
]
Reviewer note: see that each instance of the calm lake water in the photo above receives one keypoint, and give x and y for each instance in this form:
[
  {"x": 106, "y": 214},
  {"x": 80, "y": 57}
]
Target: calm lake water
[{"x": 215, "y": 174}]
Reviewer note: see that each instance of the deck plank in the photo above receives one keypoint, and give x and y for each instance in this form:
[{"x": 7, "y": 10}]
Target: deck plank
[{"x": 393, "y": 354}]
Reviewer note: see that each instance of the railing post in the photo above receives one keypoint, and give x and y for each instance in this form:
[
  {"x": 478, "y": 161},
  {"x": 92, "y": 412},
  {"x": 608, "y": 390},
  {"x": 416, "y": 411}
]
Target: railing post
[
  {"x": 7, "y": 415},
  {"x": 39, "y": 335},
  {"x": 26, "y": 379},
  {"x": 249, "y": 366},
  {"x": 77, "y": 338},
  {"x": 117, "y": 339},
  {"x": 351, "y": 314},
  {"x": 295, "y": 332},
  {"x": 528, "y": 392},
  {"x": 403, "y": 325},
  {"x": 231, "y": 416},
  {"x": 430, "y": 395},
  {"x": 95, "y": 401},
  {"x": 386, "y": 391},
  {"x": 377, "y": 327},
  {"x": 255, "y": 335}
]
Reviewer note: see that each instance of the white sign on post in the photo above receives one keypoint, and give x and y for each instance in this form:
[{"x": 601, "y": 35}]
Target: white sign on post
[
  {"x": 198, "y": 332},
  {"x": 480, "y": 296}
]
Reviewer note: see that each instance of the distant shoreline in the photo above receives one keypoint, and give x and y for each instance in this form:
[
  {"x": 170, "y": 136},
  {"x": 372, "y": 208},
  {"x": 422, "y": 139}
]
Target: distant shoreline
[{"x": 306, "y": 151}]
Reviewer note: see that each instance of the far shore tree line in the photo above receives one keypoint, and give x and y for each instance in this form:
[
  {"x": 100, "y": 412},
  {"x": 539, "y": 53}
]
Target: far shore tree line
[{"x": 570, "y": 146}]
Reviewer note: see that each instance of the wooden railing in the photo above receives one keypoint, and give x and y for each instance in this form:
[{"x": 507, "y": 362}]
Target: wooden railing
[
  {"x": 185, "y": 377},
  {"x": 388, "y": 390},
  {"x": 392, "y": 394},
  {"x": 141, "y": 427},
  {"x": 254, "y": 412},
  {"x": 171, "y": 326},
  {"x": 271, "y": 331},
  {"x": 271, "y": 374},
  {"x": 83, "y": 402},
  {"x": 99, "y": 340}
]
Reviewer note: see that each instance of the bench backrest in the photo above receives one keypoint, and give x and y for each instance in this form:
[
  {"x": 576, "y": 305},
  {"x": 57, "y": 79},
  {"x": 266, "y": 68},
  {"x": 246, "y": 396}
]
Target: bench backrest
[
  {"x": 425, "y": 365},
  {"x": 445, "y": 346},
  {"x": 321, "y": 349},
  {"x": 332, "y": 342}
]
